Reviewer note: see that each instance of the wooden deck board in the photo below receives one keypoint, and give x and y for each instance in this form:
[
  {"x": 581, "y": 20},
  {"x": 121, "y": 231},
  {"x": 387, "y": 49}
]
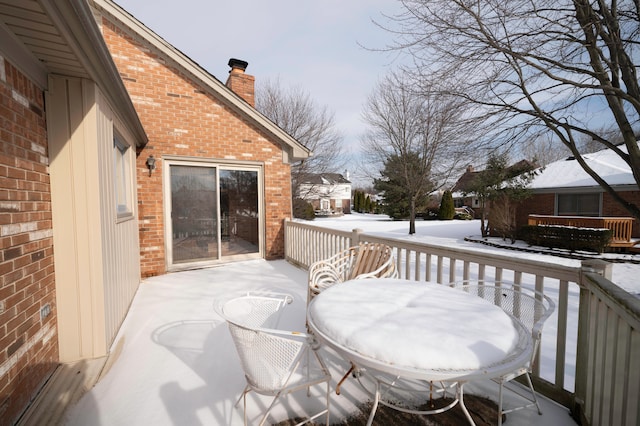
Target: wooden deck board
[{"x": 65, "y": 387}]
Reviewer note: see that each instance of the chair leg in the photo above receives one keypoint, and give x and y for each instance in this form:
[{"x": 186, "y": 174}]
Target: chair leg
[
  {"x": 500, "y": 404},
  {"x": 244, "y": 408},
  {"x": 533, "y": 393},
  {"x": 328, "y": 401},
  {"x": 461, "y": 402},
  {"x": 376, "y": 399},
  {"x": 244, "y": 392},
  {"x": 266, "y": 414}
]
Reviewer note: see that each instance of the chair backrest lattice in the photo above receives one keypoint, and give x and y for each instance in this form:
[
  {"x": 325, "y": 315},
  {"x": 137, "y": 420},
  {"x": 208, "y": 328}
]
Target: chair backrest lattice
[
  {"x": 527, "y": 306},
  {"x": 267, "y": 360}
]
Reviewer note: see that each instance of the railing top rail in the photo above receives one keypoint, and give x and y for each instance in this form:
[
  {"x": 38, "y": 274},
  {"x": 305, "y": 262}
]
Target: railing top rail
[
  {"x": 320, "y": 227},
  {"x": 627, "y": 304},
  {"x": 551, "y": 270}
]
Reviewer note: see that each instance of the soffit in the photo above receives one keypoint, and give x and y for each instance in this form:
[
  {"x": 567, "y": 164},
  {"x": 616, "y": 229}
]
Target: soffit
[
  {"x": 33, "y": 28},
  {"x": 61, "y": 37}
]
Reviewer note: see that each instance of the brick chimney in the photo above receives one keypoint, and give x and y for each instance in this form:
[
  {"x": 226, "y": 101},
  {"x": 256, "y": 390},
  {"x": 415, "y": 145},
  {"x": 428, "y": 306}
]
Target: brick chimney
[{"x": 242, "y": 84}]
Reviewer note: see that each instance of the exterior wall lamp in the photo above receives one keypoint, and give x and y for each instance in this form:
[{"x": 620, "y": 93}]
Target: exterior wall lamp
[{"x": 151, "y": 164}]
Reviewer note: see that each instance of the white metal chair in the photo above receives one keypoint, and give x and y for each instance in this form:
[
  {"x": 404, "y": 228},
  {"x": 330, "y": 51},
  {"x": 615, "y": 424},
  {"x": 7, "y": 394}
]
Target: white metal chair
[
  {"x": 532, "y": 309},
  {"x": 367, "y": 260},
  {"x": 275, "y": 362}
]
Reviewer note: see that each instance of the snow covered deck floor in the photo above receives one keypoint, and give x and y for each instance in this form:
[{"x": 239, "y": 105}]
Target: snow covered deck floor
[{"x": 174, "y": 362}]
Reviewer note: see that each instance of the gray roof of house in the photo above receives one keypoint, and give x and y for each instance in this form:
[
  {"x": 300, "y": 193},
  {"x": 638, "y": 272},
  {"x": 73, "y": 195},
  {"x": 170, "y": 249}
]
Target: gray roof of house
[{"x": 325, "y": 178}]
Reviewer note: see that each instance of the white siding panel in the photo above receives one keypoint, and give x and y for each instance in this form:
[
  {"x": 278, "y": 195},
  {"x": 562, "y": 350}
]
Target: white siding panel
[
  {"x": 121, "y": 255},
  {"x": 96, "y": 255}
]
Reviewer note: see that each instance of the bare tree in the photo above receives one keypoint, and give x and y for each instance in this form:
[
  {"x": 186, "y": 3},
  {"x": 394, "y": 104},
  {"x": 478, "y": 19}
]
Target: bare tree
[
  {"x": 564, "y": 66},
  {"x": 417, "y": 136},
  {"x": 543, "y": 150},
  {"x": 310, "y": 124}
]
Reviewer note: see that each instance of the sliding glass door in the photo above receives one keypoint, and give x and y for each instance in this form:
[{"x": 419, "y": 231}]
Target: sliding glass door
[
  {"x": 214, "y": 212},
  {"x": 239, "y": 213}
]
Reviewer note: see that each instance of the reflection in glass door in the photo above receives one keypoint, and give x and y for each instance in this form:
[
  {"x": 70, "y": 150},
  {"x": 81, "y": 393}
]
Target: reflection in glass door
[
  {"x": 214, "y": 212},
  {"x": 193, "y": 213},
  {"x": 239, "y": 215}
]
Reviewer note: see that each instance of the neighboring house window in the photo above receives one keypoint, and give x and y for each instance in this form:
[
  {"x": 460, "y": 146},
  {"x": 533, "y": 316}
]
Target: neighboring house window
[
  {"x": 579, "y": 204},
  {"x": 122, "y": 176}
]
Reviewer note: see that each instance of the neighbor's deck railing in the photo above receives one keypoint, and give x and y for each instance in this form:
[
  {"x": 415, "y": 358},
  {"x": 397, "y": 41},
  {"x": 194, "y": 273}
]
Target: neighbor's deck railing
[
  {"x": 621, "y": 227},
  {"x": 602, "y": 322}
]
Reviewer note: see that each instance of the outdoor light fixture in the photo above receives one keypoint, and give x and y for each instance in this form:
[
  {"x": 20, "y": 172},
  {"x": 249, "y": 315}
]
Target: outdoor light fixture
[{"x": 151, "y": 164}]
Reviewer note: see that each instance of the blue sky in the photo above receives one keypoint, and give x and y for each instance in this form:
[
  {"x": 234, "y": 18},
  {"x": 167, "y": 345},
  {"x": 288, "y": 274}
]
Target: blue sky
[{"x": 309, "y": 44}]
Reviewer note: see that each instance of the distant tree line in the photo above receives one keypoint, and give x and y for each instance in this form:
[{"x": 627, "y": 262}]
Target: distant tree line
[{"x": 362, "y": 203}]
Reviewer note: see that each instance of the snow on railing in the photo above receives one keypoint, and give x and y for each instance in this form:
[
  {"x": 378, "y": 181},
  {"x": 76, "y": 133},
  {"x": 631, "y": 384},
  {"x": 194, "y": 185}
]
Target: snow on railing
[{"x": 554, "y": 372}]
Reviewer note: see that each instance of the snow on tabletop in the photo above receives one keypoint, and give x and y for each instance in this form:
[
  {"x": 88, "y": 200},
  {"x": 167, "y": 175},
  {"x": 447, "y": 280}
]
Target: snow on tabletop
[{"x": 417, "y": 325}]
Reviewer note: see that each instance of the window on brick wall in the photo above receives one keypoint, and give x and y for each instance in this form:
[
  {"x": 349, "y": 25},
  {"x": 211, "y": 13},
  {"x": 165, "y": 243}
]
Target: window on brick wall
[
  {"x": 579, "y": 204},
  {"x": 122, "y": 154}
]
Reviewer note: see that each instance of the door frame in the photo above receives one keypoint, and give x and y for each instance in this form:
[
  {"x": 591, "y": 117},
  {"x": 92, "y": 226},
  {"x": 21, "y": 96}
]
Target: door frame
[{"x": 218, "y": 164}]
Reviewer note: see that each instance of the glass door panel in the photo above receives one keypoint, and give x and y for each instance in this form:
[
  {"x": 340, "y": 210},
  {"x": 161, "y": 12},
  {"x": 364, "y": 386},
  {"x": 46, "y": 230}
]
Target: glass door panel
[
  {"x": 239, "y": 214},
  {"x": 193, "y": 213}
]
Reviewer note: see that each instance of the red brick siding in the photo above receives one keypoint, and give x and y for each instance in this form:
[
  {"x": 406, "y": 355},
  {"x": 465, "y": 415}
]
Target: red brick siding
[
  {"x": 28, "y": 345},
  {"x": 536, "y": 204},
  {"x": 181, "y": 119},
  {"x": 243, "y": 85}
]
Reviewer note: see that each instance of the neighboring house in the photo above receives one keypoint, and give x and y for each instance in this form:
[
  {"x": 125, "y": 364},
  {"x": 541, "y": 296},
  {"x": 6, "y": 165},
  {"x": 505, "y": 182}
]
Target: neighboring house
[
  {"x": 69, "y": 254},
  {"x": 460, "y": 191},
  {"x": 119, "y": 158},
  {"x": 463, "y": 195},
  {"x": 563, "y": 188},
  {"x": 328, "y": 193}
]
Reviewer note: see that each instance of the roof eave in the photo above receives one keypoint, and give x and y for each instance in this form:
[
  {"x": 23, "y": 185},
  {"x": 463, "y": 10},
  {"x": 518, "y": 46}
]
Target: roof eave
[{"x": 590, "y": 188}]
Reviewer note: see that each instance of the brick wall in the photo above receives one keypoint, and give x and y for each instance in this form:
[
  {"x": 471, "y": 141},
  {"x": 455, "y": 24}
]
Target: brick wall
[
  {"x": 536, "y": 204},
  {"x": 28, "y": 344},
  {"x": 181, "y": 119}
]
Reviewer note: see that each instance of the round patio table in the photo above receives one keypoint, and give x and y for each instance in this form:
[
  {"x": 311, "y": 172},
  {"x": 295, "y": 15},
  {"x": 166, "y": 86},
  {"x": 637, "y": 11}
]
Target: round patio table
[{"x": 418, "y": 331}]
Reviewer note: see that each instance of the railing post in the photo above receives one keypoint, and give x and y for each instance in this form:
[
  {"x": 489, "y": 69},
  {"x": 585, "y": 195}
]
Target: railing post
[
  {"x": 597, "y": 266},
  {"x": 355, "y": 236},
  {"x": 594, "y": 266}
]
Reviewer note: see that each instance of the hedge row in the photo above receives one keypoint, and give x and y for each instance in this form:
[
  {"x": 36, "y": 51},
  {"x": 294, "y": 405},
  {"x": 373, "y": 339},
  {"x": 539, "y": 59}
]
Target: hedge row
[{"x": 567, "y": 237}]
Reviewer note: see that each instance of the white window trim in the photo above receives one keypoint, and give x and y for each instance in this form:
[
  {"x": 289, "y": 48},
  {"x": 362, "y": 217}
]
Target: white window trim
[
  {"x": 218, "y": 164},
  {"x": 123, "y": 178}
]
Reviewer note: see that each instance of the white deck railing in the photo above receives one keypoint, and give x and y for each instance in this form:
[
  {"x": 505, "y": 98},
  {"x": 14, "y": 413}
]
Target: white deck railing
[{"x": 594, "y": 325}]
